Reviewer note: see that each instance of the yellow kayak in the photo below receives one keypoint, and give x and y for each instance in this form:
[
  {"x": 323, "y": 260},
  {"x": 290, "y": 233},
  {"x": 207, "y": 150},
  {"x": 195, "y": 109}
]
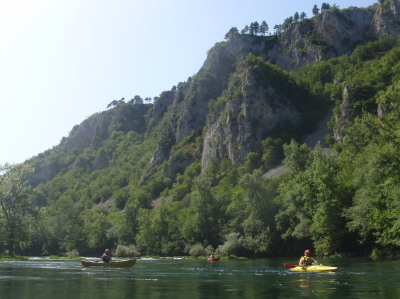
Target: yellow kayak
[{"x": 314, "y": 268}]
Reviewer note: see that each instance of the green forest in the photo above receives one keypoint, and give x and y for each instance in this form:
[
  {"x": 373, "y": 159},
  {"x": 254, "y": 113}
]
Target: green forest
[{"x": 338, "y": 201}]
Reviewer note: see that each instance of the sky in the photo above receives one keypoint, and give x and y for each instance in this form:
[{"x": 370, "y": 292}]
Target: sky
[{"x": 63, "y": 60}]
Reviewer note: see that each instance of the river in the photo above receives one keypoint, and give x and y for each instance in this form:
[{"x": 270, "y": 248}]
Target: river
[{"x": 188, "y": 278}]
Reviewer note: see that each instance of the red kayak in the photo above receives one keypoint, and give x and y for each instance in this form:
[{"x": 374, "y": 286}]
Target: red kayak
[{"x": 213, "y": 259}]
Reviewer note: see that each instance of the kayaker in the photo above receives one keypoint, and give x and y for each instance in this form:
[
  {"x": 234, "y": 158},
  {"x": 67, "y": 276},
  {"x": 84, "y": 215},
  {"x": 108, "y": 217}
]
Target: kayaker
[
  {"x": 307, "y": 260},
  {"x": 212, "y": 256},
  {"x": 106, "y": 257}
]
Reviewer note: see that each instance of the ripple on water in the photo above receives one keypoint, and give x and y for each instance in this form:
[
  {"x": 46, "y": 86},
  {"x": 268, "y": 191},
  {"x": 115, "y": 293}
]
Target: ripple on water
[
  {"x": 196, "y": 279},
  {"x": 14, "y": 277}
]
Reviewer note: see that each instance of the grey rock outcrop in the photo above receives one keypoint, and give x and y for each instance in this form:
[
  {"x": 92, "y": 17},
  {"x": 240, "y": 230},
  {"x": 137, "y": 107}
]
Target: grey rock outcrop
[
  {"x": 334, "y": 33},
  {"x": 240, "y": 125},
  {"x": 343, "y": 117},
  {"x": 330, "y": 34}
]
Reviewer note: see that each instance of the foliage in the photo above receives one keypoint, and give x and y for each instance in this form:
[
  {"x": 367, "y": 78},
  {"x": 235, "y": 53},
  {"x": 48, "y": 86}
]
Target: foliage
[
  {"x": 234, "y": 244},
  {"x": 232, "y": 33},
  {"x": 114, "y": 189},
  {"x": 17, "y": 216},
  {"x": 272, "y": 152},
  {"x": 72, "y": 253},
  {"x": 198, "y": 250},
  {"x": 126, "y": 251},
  {"x": 259, "y": 226},
  {"x": 314, "y": 195}
]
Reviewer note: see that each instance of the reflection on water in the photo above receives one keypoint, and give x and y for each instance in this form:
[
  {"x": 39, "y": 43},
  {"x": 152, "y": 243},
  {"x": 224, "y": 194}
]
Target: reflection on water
[
  {"x": 164, "y": 278},
  {"x": 305, "y": 286}
]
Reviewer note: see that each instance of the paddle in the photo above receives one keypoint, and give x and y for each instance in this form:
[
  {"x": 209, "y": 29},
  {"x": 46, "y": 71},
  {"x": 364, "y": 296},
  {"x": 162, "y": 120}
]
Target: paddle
[{"x": 289, "y": 266}]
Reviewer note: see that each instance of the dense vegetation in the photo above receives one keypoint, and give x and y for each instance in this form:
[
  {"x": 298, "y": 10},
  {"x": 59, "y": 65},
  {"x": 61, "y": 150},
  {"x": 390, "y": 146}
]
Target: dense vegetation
[{"x": 105, "y": 194}]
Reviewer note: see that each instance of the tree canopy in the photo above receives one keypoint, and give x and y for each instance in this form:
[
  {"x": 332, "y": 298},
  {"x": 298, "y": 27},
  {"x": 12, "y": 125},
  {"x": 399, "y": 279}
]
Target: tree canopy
[{"x": 17, "y": 213}]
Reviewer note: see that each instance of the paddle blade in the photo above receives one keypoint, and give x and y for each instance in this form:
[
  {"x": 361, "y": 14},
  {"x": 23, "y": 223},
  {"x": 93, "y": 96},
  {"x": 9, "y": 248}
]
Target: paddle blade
[{"x": 289, "y": 266}]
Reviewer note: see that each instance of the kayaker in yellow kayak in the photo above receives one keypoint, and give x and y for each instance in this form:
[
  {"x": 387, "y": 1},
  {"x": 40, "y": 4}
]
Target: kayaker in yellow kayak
[{"x": 307, "y": 260}]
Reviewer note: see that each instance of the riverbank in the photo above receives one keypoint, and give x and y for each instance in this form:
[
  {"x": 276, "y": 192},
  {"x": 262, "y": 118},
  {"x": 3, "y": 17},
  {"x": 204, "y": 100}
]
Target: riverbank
[
  {"x": 55, "y": 257},
  {"x": 16, "y": 258}
]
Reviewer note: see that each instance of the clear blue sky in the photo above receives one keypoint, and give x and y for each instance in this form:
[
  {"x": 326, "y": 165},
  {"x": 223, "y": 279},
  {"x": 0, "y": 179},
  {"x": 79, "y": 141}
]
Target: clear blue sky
[{"x": 63, "y": 60}]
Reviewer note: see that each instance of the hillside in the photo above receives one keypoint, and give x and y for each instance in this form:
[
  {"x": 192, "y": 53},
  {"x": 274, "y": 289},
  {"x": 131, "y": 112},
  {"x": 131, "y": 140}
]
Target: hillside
[
  {"x": 202, "y": 148},
  {"x": 185, "y": 107}
]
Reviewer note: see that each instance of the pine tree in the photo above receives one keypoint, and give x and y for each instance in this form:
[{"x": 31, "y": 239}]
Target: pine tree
[
  {"x": 278, "y": 29},
  {"x": 231, "y": 33},
  {"x": 264, "y": 28},
  {"x": 296, "y": 17},
  {"x": 325, "y": 7},
  {"x": 251, "y": 28},
  {"x": 256, "y": 27},
  {"x": 315, "y": 10}
]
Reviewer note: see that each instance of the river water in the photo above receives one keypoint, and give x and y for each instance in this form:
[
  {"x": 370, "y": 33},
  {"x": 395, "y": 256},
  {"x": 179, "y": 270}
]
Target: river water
[{"x": 188, "y": 278}]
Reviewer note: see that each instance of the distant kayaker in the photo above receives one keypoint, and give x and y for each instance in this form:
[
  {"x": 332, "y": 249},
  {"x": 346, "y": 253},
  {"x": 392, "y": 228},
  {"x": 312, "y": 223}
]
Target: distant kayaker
[
  {"x": 212, "y": 256},
  {"x": 307, "y": 260},
  {"x": 106, "y": 256}
]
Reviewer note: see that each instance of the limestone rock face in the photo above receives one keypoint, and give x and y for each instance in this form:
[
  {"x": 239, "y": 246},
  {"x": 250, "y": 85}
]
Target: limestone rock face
[
  {"x": 334, "y": 33},
  {"x": 330, "y": 34},
  {"x": 240, "y": 125},
  {"x": 233, "y": 133},
  {"x": 343, "y": 117}
]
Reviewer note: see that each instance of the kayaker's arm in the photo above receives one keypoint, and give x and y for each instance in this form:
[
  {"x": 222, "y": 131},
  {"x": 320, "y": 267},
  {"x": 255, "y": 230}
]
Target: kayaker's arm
[{"x": 302, "y": 262}]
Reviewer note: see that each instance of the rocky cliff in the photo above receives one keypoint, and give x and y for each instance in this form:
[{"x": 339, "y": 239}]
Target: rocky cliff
[
  {"x": 251, "y": 108},
  {"x": 333, "y": 33}
]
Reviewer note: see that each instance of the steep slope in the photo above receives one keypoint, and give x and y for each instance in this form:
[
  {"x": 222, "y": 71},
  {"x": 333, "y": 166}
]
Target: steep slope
[
  {"x": 259, "y": 99},
  {"x": 331, "y": 34},
  {"x": 85, "y": 147},
  {"x": 237, "y": 126},
  {"x": 334, "y": 33}
]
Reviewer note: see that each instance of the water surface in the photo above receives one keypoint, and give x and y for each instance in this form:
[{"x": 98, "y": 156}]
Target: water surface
[{"x": 188, "y": 278}]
